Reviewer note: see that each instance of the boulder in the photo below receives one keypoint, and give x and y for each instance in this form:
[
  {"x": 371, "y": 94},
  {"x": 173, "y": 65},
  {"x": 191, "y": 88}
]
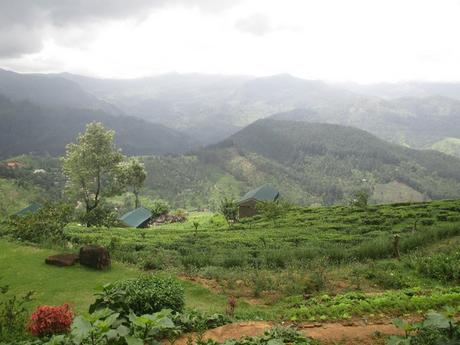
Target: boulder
[
  {"x": 62, "y": 260},
  {"x": 96, "y": 257}
]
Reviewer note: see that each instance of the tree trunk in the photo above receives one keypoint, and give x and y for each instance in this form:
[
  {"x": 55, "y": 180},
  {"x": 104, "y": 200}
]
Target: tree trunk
[
  {"x": 396, "y": 247},
  {"x": 136, "y": 199}
]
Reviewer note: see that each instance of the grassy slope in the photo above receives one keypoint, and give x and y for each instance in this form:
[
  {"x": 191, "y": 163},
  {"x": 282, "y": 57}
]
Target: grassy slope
[{"x": 23, "y": 269}]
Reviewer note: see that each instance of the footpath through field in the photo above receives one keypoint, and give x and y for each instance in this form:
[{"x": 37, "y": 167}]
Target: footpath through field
[{"x": 346, "y": 334}]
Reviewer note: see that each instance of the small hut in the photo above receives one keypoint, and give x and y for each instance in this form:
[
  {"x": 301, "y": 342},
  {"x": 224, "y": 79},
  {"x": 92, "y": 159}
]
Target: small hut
[
  {"x": 138, "y": 218},
  {"x": 247, "y": 204},
  {"x": 32, "y": 208}
]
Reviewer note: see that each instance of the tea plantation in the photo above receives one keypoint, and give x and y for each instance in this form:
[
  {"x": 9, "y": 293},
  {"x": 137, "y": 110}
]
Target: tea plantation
[{"x": 341, "y": 252}]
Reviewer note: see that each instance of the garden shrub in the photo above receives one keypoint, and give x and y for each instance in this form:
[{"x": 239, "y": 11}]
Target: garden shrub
[
  {"x": 13, "y": 315},
  {"x": 160, "y": 207},
  {"x": 50, "y": 320},
  {"x": 144, "y": 295}
]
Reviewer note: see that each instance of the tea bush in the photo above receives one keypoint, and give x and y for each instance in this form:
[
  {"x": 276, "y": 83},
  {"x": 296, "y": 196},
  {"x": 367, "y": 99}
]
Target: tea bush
[
  {"x": 444, "y": 266},
  {"x": 144, "y": 295}
]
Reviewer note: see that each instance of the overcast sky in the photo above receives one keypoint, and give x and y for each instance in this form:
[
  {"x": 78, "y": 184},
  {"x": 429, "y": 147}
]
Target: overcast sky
[{"x": 335, "y": 40}]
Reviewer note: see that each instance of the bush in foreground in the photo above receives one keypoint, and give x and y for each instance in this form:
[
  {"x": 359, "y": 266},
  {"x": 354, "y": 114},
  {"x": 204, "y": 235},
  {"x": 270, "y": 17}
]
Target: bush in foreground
[
  {"x": 50, "y": 320},
  {"x": 144, "y": 295}
]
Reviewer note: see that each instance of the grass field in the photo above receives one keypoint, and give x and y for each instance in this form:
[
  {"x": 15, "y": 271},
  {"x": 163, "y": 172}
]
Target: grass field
[{"x": 23, "y": 269}]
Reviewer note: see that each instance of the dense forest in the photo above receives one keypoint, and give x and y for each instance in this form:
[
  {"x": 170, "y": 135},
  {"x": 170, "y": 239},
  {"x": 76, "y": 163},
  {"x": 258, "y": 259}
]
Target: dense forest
[{"x": 308, "y": 162}]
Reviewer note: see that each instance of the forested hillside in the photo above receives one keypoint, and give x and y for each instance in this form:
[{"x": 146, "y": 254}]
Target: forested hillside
[
  {"x": 28, "y": 128},
  {"x": 308, "y": 162}
]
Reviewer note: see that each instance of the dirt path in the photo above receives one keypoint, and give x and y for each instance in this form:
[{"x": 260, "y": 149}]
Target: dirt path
[{"x": 355, "y": 333}]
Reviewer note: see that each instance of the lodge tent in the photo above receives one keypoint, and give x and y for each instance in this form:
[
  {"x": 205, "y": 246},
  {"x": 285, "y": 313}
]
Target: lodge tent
[
  {"x": 32, "y": 208},
  {"x": 138, "y": 218},
  {"x": 247, "y": 204}
]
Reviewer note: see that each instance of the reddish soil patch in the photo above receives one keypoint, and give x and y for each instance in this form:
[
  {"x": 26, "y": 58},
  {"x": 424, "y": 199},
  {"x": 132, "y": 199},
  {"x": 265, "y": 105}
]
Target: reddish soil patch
[
  {"x": 353, "y": 334},
  {"x": 207, "y": 283},
  {"x": 333, "y": 333}
]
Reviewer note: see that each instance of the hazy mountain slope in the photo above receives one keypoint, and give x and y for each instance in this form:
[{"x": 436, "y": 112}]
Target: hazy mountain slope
[
  {"x": 406, "y": 89},
  {"x": 50, "y": 91},
  {"x": 308, "y": 162},
  {"x": 409, "y": 121},
  {"x": 25, "y": 128},
  {"x": 210, "y": 107}
]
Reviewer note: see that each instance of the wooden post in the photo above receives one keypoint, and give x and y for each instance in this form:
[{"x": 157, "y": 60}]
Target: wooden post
[{"x": 396, "y": 253}]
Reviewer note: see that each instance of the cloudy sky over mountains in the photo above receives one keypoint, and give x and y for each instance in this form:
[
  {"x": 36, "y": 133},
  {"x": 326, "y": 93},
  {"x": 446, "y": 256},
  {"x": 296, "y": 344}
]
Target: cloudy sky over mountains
[{"x": 354, "y": 40}]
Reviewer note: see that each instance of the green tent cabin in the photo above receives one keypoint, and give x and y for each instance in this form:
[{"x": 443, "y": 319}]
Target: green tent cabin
[
  {"x": 32, "y": 208},
  {"x": 247, "y": 204},
  {"x": 138, "y": 218}
]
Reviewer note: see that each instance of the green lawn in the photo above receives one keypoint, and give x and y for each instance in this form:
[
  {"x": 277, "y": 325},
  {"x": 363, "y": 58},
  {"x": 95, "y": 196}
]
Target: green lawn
[{"x": 23, "y": 268}]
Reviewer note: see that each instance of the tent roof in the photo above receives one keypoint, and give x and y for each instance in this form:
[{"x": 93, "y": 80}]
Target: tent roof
[
  {"x": 32, "y": 208},
  {"x": 263, "y": 193},
  {"x": 137, "y": 217}
]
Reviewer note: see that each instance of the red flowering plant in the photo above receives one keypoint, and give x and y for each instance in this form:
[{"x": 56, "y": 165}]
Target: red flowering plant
[{"x": 50, "y": 320}]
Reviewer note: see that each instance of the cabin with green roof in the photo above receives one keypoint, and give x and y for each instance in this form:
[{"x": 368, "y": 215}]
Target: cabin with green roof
[
  {"x": 138, "y": 218},
  {"x": 247, "y": 204},
  {"x": 32, "y": 208}
]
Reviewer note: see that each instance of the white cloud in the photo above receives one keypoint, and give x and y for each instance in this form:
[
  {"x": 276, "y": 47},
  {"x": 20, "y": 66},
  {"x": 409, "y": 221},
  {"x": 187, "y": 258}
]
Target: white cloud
[{"x": 361, "y": 40}]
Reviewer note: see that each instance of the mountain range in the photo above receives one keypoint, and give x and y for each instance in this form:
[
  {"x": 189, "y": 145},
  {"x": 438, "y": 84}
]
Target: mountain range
[
  {"x": 205, "y": 136},
  {"x": 208, "y": 108}
]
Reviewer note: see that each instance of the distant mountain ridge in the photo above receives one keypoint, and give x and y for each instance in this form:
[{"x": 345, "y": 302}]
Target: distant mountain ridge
[
  {"x": 49, "y": 90},
  {"x": 210, "y": 108},
  {"x": 28, "y": 128}
]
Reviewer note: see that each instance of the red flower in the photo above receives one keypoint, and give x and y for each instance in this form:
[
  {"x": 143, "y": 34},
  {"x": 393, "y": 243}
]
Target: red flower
[{"x": 49, "y": 320}]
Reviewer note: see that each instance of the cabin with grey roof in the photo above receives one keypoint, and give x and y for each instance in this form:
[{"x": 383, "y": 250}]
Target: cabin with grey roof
[{"x": 247, "y": 204}]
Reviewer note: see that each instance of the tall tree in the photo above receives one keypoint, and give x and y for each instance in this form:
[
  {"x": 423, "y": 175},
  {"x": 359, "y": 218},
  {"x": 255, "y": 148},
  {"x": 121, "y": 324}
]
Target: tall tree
[
  {"x": 132, "y": 175},
  {"x": 90, "y": 165}
]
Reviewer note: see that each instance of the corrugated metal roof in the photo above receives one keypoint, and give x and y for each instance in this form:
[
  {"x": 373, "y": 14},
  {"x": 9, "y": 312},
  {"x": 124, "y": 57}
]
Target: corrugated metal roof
[
  {"x": 137, "y": 217},
  {"x": 32, "y": 208},
  {"x": 263, "y": 193}
]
